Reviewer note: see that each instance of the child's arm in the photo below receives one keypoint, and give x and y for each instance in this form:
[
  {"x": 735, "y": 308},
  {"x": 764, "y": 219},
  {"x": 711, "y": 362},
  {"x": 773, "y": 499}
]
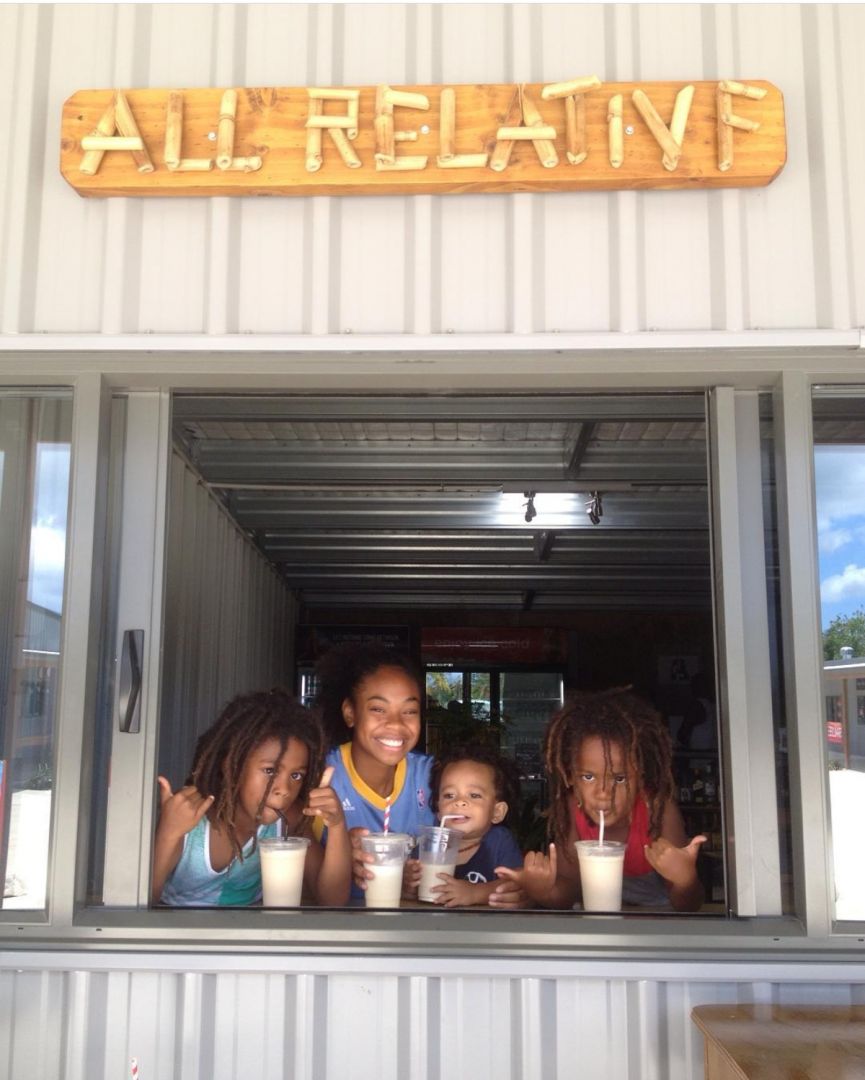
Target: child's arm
[
  {"x": 179, "y": 813},
  {"x": 411, "y": 879},
  {"x": 360, "y": 859},
  {"x": 328, "y": 870},
  {"x": 508, "y": 895},
  {"x": 455, "y": 892},
  {"x": 547, "y": 880},
  {"x": 675, "y": 859},
  {"x": 498, "y": 846}
]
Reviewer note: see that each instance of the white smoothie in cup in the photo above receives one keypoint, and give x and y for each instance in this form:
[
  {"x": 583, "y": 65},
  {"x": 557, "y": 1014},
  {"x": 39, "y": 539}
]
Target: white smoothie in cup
[
  {"x": 384, "y": 889},
  {"x": 601, "y": 868},
  {"x": 282, "y": 859},
  {"x": 438, "y": 849}
]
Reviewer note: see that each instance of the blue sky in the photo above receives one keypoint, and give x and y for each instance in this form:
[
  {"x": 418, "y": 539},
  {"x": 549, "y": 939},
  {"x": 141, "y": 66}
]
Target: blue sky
[
  {"x": 48, "y": 529},
  {"x": 840, "y": 482}
]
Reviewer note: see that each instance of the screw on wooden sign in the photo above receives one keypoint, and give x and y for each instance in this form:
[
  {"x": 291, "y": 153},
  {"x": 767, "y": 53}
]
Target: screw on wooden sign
[{"x": 578, "y": 134}]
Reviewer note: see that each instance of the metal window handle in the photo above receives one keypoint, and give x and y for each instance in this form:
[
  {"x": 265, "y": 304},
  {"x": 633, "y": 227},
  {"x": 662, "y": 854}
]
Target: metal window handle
[{"x": 129, "y": 691}]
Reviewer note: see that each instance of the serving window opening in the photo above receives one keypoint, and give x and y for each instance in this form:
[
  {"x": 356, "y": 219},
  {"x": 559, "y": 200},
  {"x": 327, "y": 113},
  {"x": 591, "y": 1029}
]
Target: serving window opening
[{"x": 519, "y": 548}]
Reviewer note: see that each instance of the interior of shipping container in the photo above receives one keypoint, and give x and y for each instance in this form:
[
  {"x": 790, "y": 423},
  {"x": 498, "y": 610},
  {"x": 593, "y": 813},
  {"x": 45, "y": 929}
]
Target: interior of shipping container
[{"x": 519, "y": 548}]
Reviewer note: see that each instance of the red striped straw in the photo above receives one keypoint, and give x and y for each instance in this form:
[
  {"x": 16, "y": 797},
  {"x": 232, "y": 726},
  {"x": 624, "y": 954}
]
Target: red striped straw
[{"x": 387, "y": 815}]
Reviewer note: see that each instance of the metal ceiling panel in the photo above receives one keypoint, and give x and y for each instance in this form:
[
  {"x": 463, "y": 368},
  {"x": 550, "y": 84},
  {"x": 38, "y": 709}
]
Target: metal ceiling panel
[
  {"x": 430, "y": 510},
  {"x": 539, "y": 409},
  {"x": 435, "y": 498}
]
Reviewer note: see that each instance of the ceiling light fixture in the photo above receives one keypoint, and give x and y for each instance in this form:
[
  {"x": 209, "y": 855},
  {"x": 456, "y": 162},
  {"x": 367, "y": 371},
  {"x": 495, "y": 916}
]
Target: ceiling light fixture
[{"x": 595, "y": 508}]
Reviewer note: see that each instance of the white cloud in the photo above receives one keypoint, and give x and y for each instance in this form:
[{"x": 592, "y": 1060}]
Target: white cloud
[
  {"x": 47, "y": 561},
  {"x": 840, "y": 482},
  {"x": 849, "y": 584},
  {"x": 832, "y": 539}
]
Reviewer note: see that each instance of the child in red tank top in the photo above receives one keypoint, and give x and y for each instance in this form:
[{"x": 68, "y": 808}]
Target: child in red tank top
[{"x": 610, "y": 753}]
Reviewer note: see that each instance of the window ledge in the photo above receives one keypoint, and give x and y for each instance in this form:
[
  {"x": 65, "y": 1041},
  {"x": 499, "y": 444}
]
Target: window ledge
[{"x": 451, "y": 936}]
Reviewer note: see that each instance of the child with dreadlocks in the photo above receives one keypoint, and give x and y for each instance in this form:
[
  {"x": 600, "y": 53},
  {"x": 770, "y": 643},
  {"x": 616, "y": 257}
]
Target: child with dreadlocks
[
  {"x": 251, "y": 772},
  {"x": 611, "y": 752}
]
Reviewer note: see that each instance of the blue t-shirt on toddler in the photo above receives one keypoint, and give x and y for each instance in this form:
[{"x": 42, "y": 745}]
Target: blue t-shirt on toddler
[{"x": 498, "y": 848}]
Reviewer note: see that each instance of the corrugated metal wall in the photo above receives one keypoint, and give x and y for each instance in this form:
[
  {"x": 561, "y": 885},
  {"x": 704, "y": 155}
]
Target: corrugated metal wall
[
  {"x": 243, "y": 613},
  {"x": 269, "y": 1025},
  {"x": 787, "y": 256}
]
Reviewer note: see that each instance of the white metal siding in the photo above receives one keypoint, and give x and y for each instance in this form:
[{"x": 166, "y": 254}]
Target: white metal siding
[
  {"x": 244, "y": 613},
  {"x": 260, "y": 1023},
  {"x": 787, "y": 256}
]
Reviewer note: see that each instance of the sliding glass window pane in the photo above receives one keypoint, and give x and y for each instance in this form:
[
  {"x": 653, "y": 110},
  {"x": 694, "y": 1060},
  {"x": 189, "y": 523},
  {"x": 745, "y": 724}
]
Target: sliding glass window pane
[
  {"x": 776, "y": 657},
  {"x": 106, "y": 690},
  {"x": 444, "y": 708},
  {"x": 839, "y": 467},
  {"x": 481, "y": 700},
  {"x": 443, "y": 688},
  {"x": 35, "y": 432},
  {"x": 528, "y": 701}
]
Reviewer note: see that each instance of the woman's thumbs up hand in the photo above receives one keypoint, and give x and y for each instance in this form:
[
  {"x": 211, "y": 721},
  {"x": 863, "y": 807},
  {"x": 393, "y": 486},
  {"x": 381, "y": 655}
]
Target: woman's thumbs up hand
[{"x": 324, "y": 802}]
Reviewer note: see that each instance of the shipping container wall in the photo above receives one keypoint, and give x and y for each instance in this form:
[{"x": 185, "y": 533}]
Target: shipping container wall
[
  {"x": 268, "y": 1024},
  {"x": 244, "y": 615},
  {"x": 786, "y": 256}
]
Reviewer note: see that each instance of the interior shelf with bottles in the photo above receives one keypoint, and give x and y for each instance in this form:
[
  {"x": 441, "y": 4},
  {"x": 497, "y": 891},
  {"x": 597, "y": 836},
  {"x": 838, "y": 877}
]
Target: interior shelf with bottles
[{"x": 697, "y": 778}]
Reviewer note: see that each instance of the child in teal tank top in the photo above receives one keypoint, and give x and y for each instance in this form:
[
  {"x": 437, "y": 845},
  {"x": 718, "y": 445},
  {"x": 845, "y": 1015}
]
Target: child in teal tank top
[{"x": 251, "y": 773}]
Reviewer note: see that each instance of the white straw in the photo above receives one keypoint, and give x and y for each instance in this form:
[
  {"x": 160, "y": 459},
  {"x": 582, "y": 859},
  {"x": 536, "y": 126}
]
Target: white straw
[
  {"x": 601, "y": 836},
  {"x": 439, "y": 830}
]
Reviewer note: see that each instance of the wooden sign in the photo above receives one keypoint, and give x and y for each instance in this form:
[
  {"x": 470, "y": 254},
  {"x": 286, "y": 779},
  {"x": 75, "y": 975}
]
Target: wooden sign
[{"x": 426, "y": 140}]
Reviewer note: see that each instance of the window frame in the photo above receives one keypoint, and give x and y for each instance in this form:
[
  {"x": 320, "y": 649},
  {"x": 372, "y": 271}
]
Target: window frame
[
  {"x": 788, "y": 371},
  {"x": 22, "y": 465}
]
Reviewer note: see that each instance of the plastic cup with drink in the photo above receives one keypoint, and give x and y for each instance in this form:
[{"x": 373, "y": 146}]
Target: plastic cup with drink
[
  {"x": 282, "y": 861},
  {"x": 389, "y": 851},
  {"x": 601, "y": 865},
  {"x": 438, "y": 848}
]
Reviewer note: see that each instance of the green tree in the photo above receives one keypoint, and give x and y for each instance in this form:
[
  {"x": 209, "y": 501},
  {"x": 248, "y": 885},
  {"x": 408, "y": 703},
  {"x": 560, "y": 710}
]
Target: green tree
[{"x": 845, "y": 630}]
